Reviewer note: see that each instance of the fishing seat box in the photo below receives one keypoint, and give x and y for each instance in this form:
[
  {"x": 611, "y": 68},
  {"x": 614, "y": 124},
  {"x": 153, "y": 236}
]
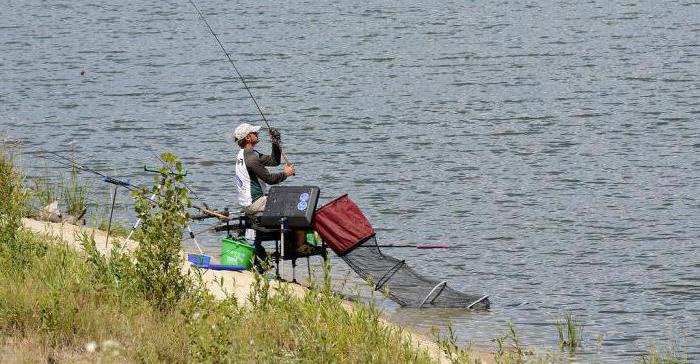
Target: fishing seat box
[{"x": 296, "y": 204}]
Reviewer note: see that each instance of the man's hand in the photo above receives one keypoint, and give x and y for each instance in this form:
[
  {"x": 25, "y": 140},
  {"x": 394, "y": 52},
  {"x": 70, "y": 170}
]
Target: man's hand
[
  {"x": 289, "y": 170},
  {"x": 275, "y": 135}
]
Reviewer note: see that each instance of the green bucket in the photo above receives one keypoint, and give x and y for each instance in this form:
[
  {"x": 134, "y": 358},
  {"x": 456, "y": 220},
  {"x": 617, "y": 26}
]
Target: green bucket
[{"x": 237, "y": 251}]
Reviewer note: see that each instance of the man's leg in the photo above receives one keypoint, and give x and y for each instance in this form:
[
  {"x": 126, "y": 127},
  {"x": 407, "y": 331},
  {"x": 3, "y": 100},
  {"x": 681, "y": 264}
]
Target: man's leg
[{"x": 254, "y": 210}]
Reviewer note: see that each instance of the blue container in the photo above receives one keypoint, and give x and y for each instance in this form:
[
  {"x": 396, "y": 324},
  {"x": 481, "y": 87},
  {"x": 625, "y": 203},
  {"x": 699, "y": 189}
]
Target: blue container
[{"x": 199, "y": 259}]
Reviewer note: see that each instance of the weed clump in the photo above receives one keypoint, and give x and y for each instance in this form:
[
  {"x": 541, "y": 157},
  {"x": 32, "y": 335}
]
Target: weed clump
[
  {"x": 163, "y": 221},
  {"x": 667, "y": 355},
  {"x": 154, "y": 270},
  {"x": 74, "y": 195},
  {"x": 455, "y": 353},
  {"x": 570, "y": 332},
  {"x": 13, "y": 198},
  {"x": 509, "y": 348}
]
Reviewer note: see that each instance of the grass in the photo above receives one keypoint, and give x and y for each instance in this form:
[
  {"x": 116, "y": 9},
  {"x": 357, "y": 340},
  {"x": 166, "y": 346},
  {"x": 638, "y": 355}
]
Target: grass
[
  {"x": 59, "y": 302},
  {"x": 667, "y": 355},
  {"x": 44, "y": 192},
  {"x": 509, "y": 348},
  {"x": 71, "y": 194},
  {"x": 454, "y": 352},
  {"x": 570, "y": 332},
  {"x": 116, "y": 228},
  {"x": 74, "y": 195}
]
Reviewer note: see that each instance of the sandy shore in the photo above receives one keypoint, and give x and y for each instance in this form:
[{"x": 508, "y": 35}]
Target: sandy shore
[{"x": 234, "y": 283}]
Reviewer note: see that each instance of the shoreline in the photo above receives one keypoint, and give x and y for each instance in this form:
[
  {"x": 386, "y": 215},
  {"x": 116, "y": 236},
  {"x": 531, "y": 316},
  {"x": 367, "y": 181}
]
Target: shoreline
[{"x": 237, "y": 284}]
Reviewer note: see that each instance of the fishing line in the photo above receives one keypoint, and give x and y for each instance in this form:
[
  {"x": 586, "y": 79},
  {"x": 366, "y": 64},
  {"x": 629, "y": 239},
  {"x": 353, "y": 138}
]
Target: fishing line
[{"x": 284, "y": 155}]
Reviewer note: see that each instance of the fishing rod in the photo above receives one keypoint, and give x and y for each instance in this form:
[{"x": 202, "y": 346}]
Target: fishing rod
[
  {"x": 69, "y": 162},
  {"x": 65, "y": 161},
  {"x": 406, "y": 246},
  {"x": 284, "y": 155},
  {"x": 109, "y": 179}
]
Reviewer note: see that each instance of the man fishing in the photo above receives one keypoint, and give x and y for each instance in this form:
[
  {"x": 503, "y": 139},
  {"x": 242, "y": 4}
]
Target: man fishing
[{"x": 252, "y": 176}]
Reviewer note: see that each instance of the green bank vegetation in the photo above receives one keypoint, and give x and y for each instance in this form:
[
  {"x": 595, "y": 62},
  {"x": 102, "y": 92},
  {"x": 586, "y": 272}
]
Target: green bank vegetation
[
  {"x": 669, "y": 354},
  {"x": 58, "y": 304},
  {"x": 68, "y": 194}
]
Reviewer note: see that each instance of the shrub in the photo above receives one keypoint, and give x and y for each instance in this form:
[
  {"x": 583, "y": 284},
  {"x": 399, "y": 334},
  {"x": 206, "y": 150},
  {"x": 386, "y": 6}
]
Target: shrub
[
  {"x": 163, "y": 221},
  {"x": 13, "y": 198}
]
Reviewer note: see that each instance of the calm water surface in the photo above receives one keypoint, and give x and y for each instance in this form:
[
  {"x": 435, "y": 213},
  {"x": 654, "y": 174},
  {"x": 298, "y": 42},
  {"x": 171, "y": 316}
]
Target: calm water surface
[{"x": 554, "y": 147}]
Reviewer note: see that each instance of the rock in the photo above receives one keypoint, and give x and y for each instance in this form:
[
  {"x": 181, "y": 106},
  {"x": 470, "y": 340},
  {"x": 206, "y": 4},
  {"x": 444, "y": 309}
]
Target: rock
[{"x": 51, "y": 213}]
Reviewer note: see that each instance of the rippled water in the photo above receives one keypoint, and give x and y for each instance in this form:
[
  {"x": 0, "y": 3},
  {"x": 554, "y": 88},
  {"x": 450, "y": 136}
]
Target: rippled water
[{"x": 554, "y": 147}]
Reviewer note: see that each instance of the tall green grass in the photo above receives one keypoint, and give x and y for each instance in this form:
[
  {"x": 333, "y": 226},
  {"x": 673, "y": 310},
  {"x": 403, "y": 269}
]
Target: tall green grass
[
  {"x": 74, "y": 195},
  {"x": 670, "y": 354},
  {"x": 62, "y": 301},
  {"x": 43, "y": 190},
  {"x": 13, "y": 198},
  {"x": 570, "y": 332}
]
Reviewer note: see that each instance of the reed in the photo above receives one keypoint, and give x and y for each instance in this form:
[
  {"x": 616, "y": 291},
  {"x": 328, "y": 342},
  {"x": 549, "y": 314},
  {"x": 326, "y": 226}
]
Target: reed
[
  {"x": 43, "y": 190},
  {"x": 570, "y": 332},
  {"x": 455, "y": 353},
  {"x": 510, "y": 350},
  {"x": 670, "y": 354},
  {"x": 74, "y": 195}
]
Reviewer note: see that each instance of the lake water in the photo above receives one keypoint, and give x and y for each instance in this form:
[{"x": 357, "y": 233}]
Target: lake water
[{"x": 554, "y": 147}]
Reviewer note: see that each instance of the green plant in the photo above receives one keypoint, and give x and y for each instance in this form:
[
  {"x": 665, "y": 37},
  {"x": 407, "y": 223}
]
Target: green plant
[
  {"x": 54, "y": 300},
  {"x": 13, "y": 198},
  {"x": 456, "y": 354},
  {"x": 115, "y": 230},
  {"x": 570, "y": 332},
  {"x": 259, "y": 294},
  {"x": 163, "y": 221},
  {"x": 668, "y": 355},
  {"x": 44, "y": 192},
  {"x": 509, "y": 349},
  {"x": 74, "y": 195}
]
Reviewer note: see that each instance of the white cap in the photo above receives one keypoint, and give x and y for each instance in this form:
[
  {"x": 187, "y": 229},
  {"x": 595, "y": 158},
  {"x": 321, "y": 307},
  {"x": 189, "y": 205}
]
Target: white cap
[{"x": 243, "y": 130}]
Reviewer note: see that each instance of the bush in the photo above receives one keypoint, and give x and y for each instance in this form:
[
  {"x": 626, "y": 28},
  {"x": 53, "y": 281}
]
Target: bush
[
  {"x": 13, "y": 199},
  {"x": 163, "y": 221}
]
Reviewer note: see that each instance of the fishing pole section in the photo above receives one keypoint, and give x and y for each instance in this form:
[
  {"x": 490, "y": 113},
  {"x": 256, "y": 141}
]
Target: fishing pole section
[
  {"x": 240, "y": 76},
  {"x": 59, "y": 159}
]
